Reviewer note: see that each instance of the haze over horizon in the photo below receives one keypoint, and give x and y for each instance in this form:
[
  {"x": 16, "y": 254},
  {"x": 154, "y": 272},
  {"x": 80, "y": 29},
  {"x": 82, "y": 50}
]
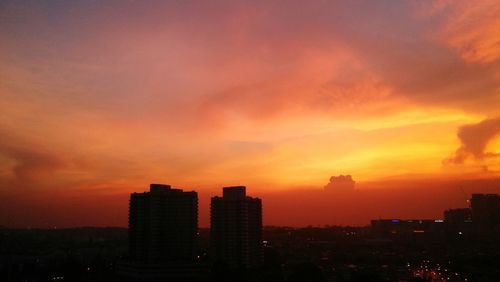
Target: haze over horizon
[{"x": 100, "y": 98}]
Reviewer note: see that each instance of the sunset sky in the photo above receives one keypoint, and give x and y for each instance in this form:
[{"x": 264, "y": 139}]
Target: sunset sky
[{"x": 100, "y": 98}]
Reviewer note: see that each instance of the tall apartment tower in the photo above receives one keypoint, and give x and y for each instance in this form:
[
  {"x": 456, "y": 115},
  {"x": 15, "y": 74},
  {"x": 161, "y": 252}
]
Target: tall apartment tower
[
  {"x": 486, "y": 213},
  {"x": 163, "y": 225},
  {"x": 236, "y": 228}
]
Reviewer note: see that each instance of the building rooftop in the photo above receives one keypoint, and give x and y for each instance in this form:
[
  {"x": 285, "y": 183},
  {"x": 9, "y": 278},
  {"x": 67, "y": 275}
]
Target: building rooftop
[
  {"x": 234, "y": 192},
  {"x": 155, "y": 188}
]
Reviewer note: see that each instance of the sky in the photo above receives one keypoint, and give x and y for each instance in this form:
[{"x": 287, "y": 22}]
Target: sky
[{"x": 101, "y": 98}]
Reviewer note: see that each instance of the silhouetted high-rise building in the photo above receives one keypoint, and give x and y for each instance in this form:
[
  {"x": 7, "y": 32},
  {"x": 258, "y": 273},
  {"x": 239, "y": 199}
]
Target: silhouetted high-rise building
[
  {"x": 236, "y": 228},
  {"x": 486, "y": 212},
  {"x": 163, "y": 225}
]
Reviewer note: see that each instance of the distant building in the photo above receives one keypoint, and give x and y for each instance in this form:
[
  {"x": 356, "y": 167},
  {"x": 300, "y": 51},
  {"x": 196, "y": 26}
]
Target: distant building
[
  {"x": 458, "y": 223},
  {"x": 406, "y": 229},
  {"x": 163, "y": 235},
  {"x": 457, "y": 216},
  {"x": 236, "y": 228},
  {"x": 485, "y": 210}
]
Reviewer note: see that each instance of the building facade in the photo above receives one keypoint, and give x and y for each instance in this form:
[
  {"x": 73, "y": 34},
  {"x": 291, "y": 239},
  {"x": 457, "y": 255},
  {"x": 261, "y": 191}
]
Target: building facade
[
  {"x": 485, "y": 210},
  {"x": 163, "y": 225},
  {"x": 236, "y": 228}
]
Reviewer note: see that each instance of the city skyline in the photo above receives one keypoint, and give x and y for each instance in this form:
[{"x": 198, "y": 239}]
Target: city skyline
[
  {"x": 295, "y": 208},
  {"x": 462, "y": 247},
  {"x": 346, "y": 109}
]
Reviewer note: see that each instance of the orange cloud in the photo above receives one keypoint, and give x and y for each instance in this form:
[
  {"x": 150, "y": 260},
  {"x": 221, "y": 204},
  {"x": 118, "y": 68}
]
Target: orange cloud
[
  {"x": 474, "y": 139},
  {"x": 473, "y": 28}
]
